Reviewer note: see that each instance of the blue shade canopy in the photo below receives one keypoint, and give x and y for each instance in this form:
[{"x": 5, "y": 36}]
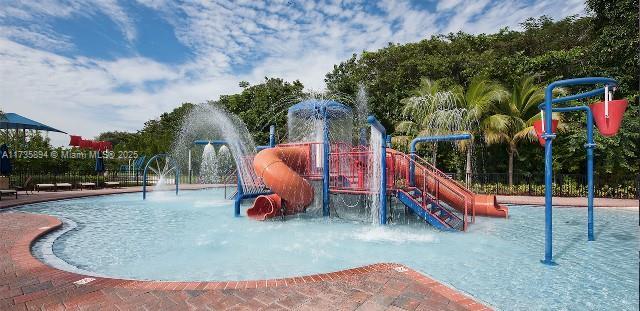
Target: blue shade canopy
[
  {"x": 312, "y": 107},
  {"x": 16, "y": 121}
]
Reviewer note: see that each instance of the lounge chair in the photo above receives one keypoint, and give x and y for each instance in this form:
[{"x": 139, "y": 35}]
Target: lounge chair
[
  {"x": 45, "y": 187},
  {"x": 112, "y": 184},
  {"x": 87, "y": 185},
  {"x": 64, "y": 185},
  {"x": 8, "y": 191},
  {"x": 26, "y": 186}
]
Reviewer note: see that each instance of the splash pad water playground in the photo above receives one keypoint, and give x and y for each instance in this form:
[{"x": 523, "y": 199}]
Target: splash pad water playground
[
  {"x": 321, "y": 165},
  {"x": 291, "y": 178},
  {"x": 325, "y": 181}
]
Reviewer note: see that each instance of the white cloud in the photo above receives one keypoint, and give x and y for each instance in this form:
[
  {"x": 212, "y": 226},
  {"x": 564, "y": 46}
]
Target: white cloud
[{"x": 288, "y": 39}]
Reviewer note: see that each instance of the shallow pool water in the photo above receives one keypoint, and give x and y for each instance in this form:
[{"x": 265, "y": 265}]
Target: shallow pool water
[{"x": 195, "y": 237}]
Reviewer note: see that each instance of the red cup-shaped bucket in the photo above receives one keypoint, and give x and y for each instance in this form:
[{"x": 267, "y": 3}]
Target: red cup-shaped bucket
[
  {"x": 609, "y": 126},
  {"x": 74, "y": 140},
  {"x": 537, "y": 125}
]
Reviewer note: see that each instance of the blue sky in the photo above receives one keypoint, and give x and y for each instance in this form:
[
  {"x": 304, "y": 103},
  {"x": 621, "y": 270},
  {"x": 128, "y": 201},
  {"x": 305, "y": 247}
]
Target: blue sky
[{"x": 91, "y": 66}]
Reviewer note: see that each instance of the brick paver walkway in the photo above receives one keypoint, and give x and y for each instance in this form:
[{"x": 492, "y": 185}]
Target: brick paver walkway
[{"x": 28, "y": 284}]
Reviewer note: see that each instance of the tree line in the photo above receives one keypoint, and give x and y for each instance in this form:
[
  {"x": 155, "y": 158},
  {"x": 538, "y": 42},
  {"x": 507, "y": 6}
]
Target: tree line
[{"x": 493, "y": 82}]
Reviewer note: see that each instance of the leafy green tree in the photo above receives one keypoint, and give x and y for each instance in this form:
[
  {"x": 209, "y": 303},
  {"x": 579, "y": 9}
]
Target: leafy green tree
[
  {"x": 420, "y": 111},
  {"x": 478, "y": 98},
  {"x": 512, "y": 119}
]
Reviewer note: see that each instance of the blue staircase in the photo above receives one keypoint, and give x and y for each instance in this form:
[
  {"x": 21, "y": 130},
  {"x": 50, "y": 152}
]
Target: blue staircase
[{"x": 428, "y": 208}]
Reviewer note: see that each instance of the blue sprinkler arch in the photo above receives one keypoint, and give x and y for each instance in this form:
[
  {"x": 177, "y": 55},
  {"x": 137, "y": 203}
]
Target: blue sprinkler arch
[
  {"x": 548, "y": 136},
  {"x": 146, "y": 168}
]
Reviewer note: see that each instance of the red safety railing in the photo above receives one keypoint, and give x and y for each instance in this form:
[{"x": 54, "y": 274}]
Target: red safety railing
[
  {"x": 350, "y": 170},
  {"x": 428, "y": 165},
  {"x": 398, "y": 165}
]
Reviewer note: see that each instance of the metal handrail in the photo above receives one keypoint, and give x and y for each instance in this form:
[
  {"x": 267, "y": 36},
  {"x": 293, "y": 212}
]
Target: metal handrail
[{"x": 437, "y": 183}]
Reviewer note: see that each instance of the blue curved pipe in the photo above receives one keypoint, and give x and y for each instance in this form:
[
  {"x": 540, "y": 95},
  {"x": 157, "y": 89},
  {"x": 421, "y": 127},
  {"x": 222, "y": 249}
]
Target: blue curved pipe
[
  {"x": 383, "y": 167},
  {"x": 425, "y": 139},
  {"x": 146, "y": 169}
]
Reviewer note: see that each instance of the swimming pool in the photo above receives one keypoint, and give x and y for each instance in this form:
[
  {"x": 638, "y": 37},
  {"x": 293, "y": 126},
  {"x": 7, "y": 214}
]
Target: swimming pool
[{"x": 195, "y": 237}]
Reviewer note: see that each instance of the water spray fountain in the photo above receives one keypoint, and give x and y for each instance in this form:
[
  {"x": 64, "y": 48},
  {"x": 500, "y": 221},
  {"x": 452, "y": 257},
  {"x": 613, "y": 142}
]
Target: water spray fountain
[{"x": 324, "y": 158}]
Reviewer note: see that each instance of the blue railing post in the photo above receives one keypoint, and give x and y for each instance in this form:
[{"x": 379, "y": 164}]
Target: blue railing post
[
  {"x": 239, "y": 195},
  {"x": 325, "y": 162},
  {"x": 383, "y": 167}
]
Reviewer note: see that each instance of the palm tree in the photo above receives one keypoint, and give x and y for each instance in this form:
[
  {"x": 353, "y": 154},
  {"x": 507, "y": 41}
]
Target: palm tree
[
  {"x": 476, "y": 101},
  {"x": 421, "y": 112},
  {"x": 512, "y": 119}
]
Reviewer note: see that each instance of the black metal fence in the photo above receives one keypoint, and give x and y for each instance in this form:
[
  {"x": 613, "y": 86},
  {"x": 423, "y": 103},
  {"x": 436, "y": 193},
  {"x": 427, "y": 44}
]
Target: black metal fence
[
  {"x": 564, "y": 185},
  {"x": 29, "y": 178}
]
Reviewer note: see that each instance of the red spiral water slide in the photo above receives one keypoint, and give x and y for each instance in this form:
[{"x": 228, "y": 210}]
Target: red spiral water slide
[{"x": 280, "y": 169}]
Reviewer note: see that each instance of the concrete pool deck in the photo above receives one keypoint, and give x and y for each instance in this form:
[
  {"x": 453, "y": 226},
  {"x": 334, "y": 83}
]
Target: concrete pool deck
[
  {"x": 43, "y": 196},
  {"x": 28, "y": 284},
  {"x": 568, "y": 201}
]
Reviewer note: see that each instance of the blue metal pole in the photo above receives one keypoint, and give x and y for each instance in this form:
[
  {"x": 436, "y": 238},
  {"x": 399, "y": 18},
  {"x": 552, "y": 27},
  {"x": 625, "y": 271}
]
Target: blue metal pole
[
  {"x": 177, "y": 176},
  {"x": 239, "y": 195},
  {"x": 144, "y": 184},
  {"x": 325, "y": 163},
  {"x": 388, "y": 141},
  {"x": 548, "y": 177},
  {"x": 272, "y": 136},
  {"x": 424, "y": 139},
  {"x": 383, "y": 167},
  {"x": 589, "y": 147}
]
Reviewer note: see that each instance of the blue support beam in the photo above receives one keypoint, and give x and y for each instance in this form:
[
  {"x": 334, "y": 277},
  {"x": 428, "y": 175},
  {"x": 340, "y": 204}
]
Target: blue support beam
[
  {"x": 383, "y": 167},
  {"x": 548, "y": 136},
  {"x": 325, "y": 162},
  {"x": 206, "y": 142},
  {"x": 426, "y": 139}
]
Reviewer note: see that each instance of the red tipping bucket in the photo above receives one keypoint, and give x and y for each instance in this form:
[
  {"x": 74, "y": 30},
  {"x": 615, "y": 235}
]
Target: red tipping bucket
[
  {"x": 609, "y": 126},
  {"x": 75, "y": 140},
  {"x": 537, "y": 125}
]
